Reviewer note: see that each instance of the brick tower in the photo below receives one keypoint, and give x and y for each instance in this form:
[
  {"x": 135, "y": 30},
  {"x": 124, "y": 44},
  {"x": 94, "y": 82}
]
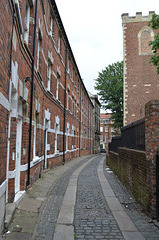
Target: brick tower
[{"x": 141, "y": 82}]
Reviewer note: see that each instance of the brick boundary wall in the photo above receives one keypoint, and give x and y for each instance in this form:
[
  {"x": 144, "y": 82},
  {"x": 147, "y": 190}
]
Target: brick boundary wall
[
  {"x": 131, "y": 167},
  {"x": 151, "y": 145},
  {"x": 137, "y": 169}
]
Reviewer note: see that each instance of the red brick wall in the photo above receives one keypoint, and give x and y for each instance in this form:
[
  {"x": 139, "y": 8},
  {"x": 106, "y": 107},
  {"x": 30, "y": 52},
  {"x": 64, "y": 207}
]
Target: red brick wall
[
  {"x": 132, "y": 169},
  {"x": 3, "y": 143},
  {"x": 5, "y": 46},
  {"x": 140, "y": 77},
  {"x": 151, "y": 145},
  {"x": 22, "y": 54},
  {"x": 137, "y": 169}
]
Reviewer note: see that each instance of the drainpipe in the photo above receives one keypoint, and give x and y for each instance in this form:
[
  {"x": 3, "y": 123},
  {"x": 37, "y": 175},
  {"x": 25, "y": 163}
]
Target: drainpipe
[
  {"x": 80, "y": 126},
  {"x": 31, "y": 98},
  {"x": 64, "y": 127},
  {"x": 9, "y": 99},
  {"x": 11, "y": 45},
  {"x": 88, "y": 128}
]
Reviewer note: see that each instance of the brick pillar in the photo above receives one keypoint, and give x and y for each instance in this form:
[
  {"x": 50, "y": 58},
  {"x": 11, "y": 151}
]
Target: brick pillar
[{"x": 151, "y": 145}]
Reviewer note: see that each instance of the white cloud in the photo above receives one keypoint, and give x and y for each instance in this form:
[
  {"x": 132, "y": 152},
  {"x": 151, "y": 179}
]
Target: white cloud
[{"x": 94, "y": 30}]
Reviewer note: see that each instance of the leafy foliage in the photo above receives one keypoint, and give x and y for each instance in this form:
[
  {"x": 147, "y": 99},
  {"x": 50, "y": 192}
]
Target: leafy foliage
[
  {"x": 154, "y": 23},
  {"x": 109, "y": 85}
]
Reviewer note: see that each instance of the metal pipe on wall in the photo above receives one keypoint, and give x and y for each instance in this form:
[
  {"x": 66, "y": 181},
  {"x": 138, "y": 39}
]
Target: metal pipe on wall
[
  {"x": 64, "y": 127},
  {"x": 31, "y": 98}
]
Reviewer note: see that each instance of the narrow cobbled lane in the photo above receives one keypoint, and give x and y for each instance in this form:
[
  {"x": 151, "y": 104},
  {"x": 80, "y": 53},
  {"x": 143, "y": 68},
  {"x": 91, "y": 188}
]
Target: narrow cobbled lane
[
  {"x": 93, "y": 218},
  {"x": 48, "y": 219},
  {"x": 88, "y": 202}
]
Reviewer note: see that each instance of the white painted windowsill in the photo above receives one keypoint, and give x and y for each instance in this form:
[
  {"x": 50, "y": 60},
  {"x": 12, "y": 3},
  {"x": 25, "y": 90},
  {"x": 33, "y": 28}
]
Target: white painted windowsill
[{"x": 36, "y": 159}]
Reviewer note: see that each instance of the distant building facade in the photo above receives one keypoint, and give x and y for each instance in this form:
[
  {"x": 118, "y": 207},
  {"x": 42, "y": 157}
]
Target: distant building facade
[
  {"x": 106, "y": 130},
  {"x": 96, "y": 123},
  {"x": 62, "y": 111},
  {"x": 141, "y": 82}
]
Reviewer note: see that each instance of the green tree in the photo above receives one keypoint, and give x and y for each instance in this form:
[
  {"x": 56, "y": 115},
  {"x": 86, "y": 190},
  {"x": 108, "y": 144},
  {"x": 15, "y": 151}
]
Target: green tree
[
  {"x": 154, "y": 23},
  {"x": 109, "y": 86}
]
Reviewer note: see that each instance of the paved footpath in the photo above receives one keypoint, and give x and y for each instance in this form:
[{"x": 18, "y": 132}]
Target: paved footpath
[{"x": 81, "y": 200}]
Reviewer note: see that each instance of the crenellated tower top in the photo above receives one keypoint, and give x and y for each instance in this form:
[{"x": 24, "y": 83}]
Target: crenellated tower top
[{"x": 138, "y": 18}]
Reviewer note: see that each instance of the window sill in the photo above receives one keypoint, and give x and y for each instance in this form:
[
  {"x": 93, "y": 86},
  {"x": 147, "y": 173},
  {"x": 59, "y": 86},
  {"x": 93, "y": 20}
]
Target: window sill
[
  {"x": 51, "y": 36},
  {"x": 57, "y": 153},
  {"x": 60, "y": 56},
  {"x": 28, "y": 49},
  {"x": 36, "y": 159}
]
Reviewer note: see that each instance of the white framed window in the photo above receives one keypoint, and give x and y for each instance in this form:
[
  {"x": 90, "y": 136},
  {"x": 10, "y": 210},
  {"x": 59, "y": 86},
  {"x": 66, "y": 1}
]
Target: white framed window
[
  {"x": 67, "y": 100},
  {"x": 68, "y": 67},
  {"x": 57, "y": 126},
  {"x": 107, "y": 120},
  {"x": 57, "y": 89},
  {"x": 75, "y": 108},
  {"x": 101, "y": 129},
  {"x": 27, "y": 20},
  {"x": 145, "y": 35},
  {"x": 106, "y": 129},
  {"x": 35, "y": 157},
  {"x": 73, "y": 130},
  {"x": 101, "y": 137},
  {"x": 72, "y": 106},
  {"x": 73, "y": 136},
  {"x": 56, "y": 131},
  {"x": 112, "y": 129},
  {"x": 59, "y": 44},
  {"x": 67, "y": 133},
  {"x": 48, "y": 76},
  {"x": 38, "y": 51},
  {"x": 51, "y": 26}
]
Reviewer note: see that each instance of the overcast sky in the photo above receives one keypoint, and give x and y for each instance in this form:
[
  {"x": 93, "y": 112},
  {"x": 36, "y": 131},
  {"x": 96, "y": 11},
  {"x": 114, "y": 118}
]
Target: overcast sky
[{"x": 94, "y": 30}]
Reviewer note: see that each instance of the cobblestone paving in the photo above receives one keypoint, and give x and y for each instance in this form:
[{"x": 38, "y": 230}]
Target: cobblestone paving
[
  {"x": 142, "y": 222},
  {"x": 93, "y": 219},
  {"x": 46, "y": 226}
]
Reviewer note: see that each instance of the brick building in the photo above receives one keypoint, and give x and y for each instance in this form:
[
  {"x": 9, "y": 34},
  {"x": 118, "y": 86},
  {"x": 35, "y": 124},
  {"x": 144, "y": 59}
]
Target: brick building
[
  {"x": 141, "y": 82},
  {"x": 62, "y": 111},
  {"x": 106, "y": 130},
  {"x": 96, "y": 122}
]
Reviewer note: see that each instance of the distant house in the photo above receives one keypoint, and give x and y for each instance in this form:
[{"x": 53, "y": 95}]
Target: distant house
[
  {"x": 96, "y": 123},
  {"x": 106, "y": 130}
]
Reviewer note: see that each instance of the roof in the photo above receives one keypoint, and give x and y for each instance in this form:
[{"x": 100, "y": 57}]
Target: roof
[
  {"x": 94, "y": 96},
  {"x": 105, "y": 115}
]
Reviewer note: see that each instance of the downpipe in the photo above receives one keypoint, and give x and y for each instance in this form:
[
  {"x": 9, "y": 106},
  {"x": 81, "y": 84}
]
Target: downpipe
[
  {"x": 64, "y": 127},
  {"x": 31, "y": 98}
]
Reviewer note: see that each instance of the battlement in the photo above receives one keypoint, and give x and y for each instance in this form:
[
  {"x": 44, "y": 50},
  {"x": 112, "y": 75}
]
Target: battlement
[{"x": 138, "y": 18}]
